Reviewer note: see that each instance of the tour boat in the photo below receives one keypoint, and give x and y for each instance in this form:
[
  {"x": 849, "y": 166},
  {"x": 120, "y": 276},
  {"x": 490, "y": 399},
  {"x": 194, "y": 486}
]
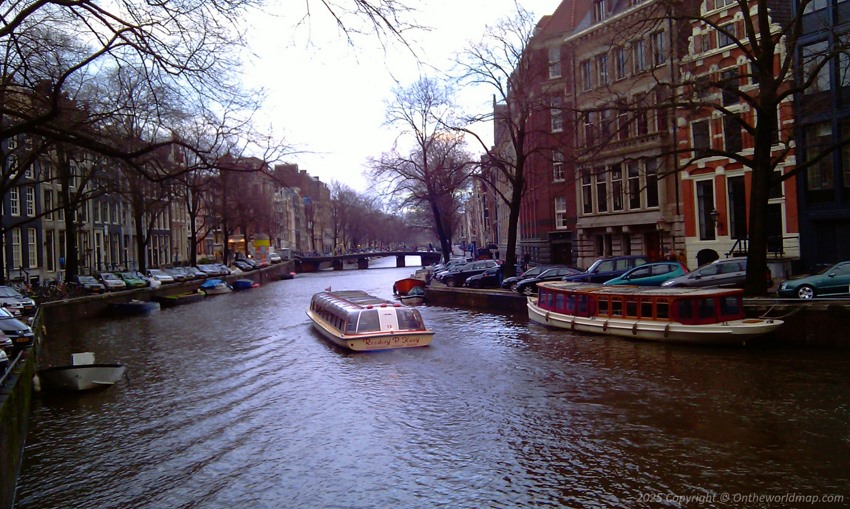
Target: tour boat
[
  {"x": 676, "y": 315},
  {"x": 358, "y": 321}
]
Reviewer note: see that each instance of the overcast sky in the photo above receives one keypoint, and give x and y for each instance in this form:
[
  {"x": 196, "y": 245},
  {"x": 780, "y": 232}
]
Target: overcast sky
[{"x": 327, "y": 97}]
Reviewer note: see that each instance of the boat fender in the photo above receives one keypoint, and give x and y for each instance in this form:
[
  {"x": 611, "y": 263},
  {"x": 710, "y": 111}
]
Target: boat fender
[
  {"x": 667, "y": 330},
  {"x": 36, "y": 383},
  {"x": 634, "y": 329},
  {"x": 605, "y": 326},
  {"x": 573, "y": 325},
  {"x": 547, "y": 316}
]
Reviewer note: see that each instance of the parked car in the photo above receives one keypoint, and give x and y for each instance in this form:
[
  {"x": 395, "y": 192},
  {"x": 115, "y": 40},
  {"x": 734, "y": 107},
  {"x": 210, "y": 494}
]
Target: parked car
[
  {"x": 19, "y": 332},
  {"x": 607, "y": 268},
  {"x": 87, "y": 284},
  {"x": 161, "y": 276},
  {"x": 132, "y": 279},
  {"x": 528, "y": 286},
  {"x": 509, "y": 283},
  {"x": 176, "y": 274},
  {"x": 111, "y": 281},
  {"x": 831, "y": 280},
  {"x": 456, "y": 277},
  {"x": 15, "y": 301},
  {"x": 723, "y": 273},
  {"x": 275, "y": 258},
  {"x": 199, "y": 274},
  {"x": 650, "y": 274},
  {"x": 244, "y": 265},
  {"x": 490, "y": 278}
]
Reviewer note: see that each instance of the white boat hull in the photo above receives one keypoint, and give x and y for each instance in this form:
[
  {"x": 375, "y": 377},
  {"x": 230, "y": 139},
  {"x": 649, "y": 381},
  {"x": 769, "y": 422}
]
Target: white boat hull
[
  {"x": 724, "y": 333},
  {"x": 81, "y": 377},
  {"x": 370, "y": 342}
]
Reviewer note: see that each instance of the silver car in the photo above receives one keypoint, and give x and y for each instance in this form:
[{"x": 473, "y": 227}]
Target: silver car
[{"x": 724, "y": 273}]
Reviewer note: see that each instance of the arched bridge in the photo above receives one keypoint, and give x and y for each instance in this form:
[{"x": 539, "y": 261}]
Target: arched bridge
[{"x": 313, "y": 263}]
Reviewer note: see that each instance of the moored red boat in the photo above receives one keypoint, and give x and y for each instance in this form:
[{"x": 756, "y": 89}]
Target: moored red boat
[
  {"x": 403, "y": 286},
  {"x": 676, "y": 315}
]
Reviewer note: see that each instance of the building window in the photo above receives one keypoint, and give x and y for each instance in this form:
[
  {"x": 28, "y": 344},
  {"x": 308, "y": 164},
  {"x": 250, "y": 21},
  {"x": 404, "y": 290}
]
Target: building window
[
  {"x": 737, "y": 219},
  {"x": 634, "y": 185},
  {"x": 601, "y": 190},
  {"x": 557, "y": 166},
  {"x": 726, "y": 35},
  {"x": 651, "y": 182},
  {"x": 560, "y": 212},
  {"x": 14, "y": 202},
  {"x": 49, "y": 258},
  {"x": 557, "y": 115},
  {"x": 819, "y": 177},
  {"x": 659, "y": 55},
  {"x": 729, "y": 87},
  {"x": 639, "y": 53},
  {"x": 48, "y": 204},
  {"x": 586, "y": 191},
  {"x": 641, "y": 112},
  {"x": 701, "y": 137},
  {"x": 845, "y": 156},
  {"x": 30, "y": 201},
  {"x": 602, "y": 69},
  {"x": 32, "y": 247},
  {"x": 813, "y": 56},
  {"x": 705, "y": 204},
  {"x": 621, "y": 62},
  {"x": 17, "y": 255},
  {"x": 732, "y": 133},
  {"x": 586, "y": 75},
  {"x": 617, "y": 187},
  {"x": 588, "y": 129},
  {"x": 599, "y": 10},
  {"x": 719, "y": 4},
  {"x": 623, "y": 123},
  {"x": 554, "y": 63}
]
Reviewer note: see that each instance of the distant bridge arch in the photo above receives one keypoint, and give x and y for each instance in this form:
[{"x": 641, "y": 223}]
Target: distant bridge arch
[{"x": 310, "y": 263}]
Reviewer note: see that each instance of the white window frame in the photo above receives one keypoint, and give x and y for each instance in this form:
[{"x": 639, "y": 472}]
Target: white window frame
[
  {"x": 558, "y": 166},
  {"x": 17, "y": 254},
  {"x": 554, "y": 62},
  {"x": 560, "y": 207},
  {"x": 30, "y": 202},
  {"x": 32, "y": 247},
  {"x": 14, "y": 202},
  {"x": 556, "y": 114}
]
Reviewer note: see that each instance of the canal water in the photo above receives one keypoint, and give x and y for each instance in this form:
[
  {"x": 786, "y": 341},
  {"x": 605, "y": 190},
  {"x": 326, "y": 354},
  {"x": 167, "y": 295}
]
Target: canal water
[{"x": 236, "y": 402}]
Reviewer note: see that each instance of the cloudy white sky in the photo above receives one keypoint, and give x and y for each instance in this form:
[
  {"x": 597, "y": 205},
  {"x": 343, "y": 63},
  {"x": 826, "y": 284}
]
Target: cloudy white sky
[{"x": 327, "y": 97}]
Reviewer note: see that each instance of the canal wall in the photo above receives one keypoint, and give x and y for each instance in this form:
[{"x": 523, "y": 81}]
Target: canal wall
[
  {"x": 15, "y": 401},
  {"x": 818, "y": 323},
  {"x": 92, "y": 306}
]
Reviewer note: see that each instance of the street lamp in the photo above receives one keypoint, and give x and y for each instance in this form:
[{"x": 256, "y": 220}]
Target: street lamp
[{"x": 715, "y": 216}]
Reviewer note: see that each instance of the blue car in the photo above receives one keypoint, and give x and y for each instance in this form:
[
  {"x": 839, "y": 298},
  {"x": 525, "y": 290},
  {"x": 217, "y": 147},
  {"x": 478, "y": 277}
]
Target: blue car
[
  {"x": 832, "y": 280},
  {"x": 650, "y": 274}
]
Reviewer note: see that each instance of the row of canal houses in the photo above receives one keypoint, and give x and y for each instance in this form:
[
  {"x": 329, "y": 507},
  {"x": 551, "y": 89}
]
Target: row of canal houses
[
  {"x": 635, "y": 193},
  {"x": 293, "y": 216}
]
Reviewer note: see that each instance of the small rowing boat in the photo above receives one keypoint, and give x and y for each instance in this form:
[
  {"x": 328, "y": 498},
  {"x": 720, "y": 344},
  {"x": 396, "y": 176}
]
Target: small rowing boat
[{"x": 355, "y": 320}]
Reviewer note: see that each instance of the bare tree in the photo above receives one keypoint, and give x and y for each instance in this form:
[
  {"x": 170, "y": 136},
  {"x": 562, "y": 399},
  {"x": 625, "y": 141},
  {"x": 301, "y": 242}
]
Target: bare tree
[
  {"x": 502, "y": 60},
  {"x": 435, "y": 170}
]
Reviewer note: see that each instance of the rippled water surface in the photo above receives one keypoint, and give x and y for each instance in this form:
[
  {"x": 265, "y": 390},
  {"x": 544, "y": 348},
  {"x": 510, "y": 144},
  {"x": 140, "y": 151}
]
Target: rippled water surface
[{"x": 236, "y": 402}]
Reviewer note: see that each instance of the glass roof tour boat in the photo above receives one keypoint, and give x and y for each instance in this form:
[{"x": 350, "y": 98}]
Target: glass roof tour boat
[
  {"x": 355, "y": 320},
  {"x": 675, "y": 315}
]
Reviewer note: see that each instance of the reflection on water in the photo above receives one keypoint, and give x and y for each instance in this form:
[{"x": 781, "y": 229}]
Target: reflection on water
[{"x": 236, "y": 402}]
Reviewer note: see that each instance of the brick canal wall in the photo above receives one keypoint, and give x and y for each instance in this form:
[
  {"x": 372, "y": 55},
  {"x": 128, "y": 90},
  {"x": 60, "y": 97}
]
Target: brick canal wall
[
  {"x": 15, "y": 401},
  {"x": 817, "y": 323}
]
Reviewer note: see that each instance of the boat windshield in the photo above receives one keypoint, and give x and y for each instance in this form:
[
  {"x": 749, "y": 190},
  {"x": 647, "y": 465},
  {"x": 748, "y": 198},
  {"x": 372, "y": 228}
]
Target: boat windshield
[{"x": 409, "y": 319}]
